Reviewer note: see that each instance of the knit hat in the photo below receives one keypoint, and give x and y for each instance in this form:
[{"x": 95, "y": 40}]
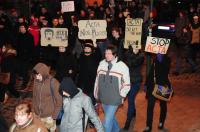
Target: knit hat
[{"x": 67, "y": 85}]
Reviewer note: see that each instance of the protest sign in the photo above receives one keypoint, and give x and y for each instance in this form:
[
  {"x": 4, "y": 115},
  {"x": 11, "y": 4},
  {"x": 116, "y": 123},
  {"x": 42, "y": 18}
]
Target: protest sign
[
  {"x": 133, "y": 33},
  {"x": 55, "y": 37},
  {"x": 157, "y": 45},
  {"x": 67, "y": 6},
  {"x": 92, "y": 29}
]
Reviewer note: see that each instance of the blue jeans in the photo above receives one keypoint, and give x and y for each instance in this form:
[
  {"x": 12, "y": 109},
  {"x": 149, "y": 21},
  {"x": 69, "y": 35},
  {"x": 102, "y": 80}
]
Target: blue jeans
[
  {"x": 131, "y": 100},
  {"x": 110, "y": 123}
]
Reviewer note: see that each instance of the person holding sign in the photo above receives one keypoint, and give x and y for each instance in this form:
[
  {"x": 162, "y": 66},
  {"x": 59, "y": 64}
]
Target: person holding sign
[
  {"x": 134, "y": 59},
  {"x": 160, "y": 70}
]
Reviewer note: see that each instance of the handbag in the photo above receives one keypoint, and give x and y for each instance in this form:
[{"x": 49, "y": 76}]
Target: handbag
[
  {"x": 162, "y": 92},
  {"x": 4, "y": 78}
]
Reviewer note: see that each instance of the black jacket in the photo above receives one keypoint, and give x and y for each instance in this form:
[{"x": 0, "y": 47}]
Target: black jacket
[
  {"x": 87, "y": 71},
  {"x": 161, "y": 73},
  {"x": 65, "y": 62},
  {"x": 134, "y": 62},
  {"x": 25, "y": 46}
]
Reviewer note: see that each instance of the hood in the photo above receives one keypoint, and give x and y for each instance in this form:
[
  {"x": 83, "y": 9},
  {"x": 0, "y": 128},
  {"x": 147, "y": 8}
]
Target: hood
[
  {"x": 68, "y": 86},
  {"x": 43, "y": 69}
]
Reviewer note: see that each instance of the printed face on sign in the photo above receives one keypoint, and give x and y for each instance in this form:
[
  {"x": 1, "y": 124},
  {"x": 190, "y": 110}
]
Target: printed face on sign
[{"x": 49, "y": 34}]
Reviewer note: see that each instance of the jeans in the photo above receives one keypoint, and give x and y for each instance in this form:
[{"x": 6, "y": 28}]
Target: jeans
[
  {"x": 150, "y": 107},
  {"x": 131, "y": 100},
  {"x": 110, "y": 123}
]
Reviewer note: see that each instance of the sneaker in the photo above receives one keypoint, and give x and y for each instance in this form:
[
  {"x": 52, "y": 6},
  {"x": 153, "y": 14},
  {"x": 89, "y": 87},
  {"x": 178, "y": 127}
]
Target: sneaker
[
  {"x": 147, "y": 129},
  {"x": 160, "y": 125}
]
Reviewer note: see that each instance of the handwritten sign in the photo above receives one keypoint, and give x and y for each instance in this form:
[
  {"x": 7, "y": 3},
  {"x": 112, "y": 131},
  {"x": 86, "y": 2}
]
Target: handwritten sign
[
  {"x": 54, "y": 36},
  {"x": 133, "y": 33},
  {"x": 92, "y": 29},
  {"x": 67, "y": 6},
  {"x": 157, "y": 45}
]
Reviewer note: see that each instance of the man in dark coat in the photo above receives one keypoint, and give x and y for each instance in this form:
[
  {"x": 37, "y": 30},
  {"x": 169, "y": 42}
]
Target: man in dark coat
[
  {"x": 88, "y": 63},
  {"x": 25, "y": 48}
]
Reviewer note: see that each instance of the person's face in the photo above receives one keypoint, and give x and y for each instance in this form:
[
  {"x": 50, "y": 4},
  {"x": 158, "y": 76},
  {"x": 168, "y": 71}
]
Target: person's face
[
  {"x": 87, "y": 51},
  {"x": 22, "y": 29},
  {"x": 55, "y": 22},
  {"x": 66, "y": 94},
  {"x": 109, "y": 56},
  {"x": 20, "y": 20},
  {"x": 39, "y": 77},
  {"x": 180, "y": 14},
  {"x": 115, "y": 33},
  {"x": 21, "y": 118},
  {"x": 43, "y": 10},
  {"x": 61, "y": 21},
  {"x": 62, "y": 49},
  {"x": 135, "y": 51},
  {"x": 3, "y": 49}
]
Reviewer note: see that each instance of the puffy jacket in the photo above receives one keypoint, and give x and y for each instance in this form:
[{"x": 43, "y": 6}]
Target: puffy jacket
[
  {"x": 73, "y": 113},
  {"x": 111, "y": 86}
]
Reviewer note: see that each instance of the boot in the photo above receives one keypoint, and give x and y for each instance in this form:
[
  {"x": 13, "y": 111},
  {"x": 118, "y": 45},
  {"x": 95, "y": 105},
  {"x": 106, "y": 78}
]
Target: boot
[{"x": 127, "y": 124}]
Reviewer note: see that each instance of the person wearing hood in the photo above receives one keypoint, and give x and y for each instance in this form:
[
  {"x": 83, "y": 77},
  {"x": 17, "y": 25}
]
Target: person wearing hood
[
  {"x": 76, "y": 105},
  {"x": 47, "y": 101},
  {"x": 88, "y": 63},
  {"x": 9, "y": 65}
]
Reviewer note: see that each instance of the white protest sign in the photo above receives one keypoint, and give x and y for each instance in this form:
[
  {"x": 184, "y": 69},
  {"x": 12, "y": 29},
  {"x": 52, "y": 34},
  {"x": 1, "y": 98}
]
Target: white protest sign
[
  {"x": 67, "y": 6},
  {"x": 92, "y": 29},
  {"x": 133, "y": 33},
  {"x": 55, "y": 37},
  {"x": 157, "y": 45}
]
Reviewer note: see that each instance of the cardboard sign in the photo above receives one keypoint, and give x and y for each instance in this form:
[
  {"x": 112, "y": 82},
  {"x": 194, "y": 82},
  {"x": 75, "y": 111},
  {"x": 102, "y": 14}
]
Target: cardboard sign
[
  {"x": 133, "y": 33},
  {"x": 92, "y": 29},
  {"x": 55, "y": 37},
  {"x": 67, "y": 6},
  {"x": 157, "y": 45}
]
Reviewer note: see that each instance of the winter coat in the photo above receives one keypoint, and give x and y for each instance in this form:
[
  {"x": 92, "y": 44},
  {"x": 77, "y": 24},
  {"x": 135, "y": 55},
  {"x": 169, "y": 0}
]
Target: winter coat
[
  {"x": 73, "y": 113},
  {"x": 161, "y": 74},
  {"x": 134, "y": 62},
  {"x": 35, "y": 32},
  {"x": 65, "y": 62},
  {"x": 195, "y": 28},
  {"x": 25, "y": 46},
  {"x": 87, "y": 71},
  {"x": 180, "y": 23},
  {"x": 33, "y": 125},
  {"x": 112, "y": 85},
  {"x": 44, "y": 104}
]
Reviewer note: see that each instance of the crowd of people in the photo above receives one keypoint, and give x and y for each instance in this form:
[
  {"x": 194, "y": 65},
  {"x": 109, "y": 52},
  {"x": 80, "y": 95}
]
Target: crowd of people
[{"x": 72, "y": 80}]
